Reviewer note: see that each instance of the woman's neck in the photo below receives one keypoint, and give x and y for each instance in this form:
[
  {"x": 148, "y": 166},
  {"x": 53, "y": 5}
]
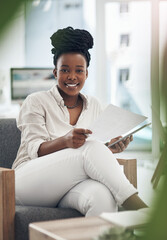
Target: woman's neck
[{"x": 69, "y": 100}]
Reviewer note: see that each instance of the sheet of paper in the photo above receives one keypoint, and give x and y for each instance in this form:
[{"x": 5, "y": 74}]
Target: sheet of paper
[
  {"x": 128, "y": 219},
  {"x": 113, "y": 122}
]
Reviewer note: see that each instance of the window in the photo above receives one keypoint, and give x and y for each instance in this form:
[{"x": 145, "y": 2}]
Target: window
[
  {"x": 123, "y": 75},
  {"x": 146, "y": 22},
  {"x": 124, "y": 8},
  {"x": 128, "y": 61},
  {"x": 124, "y": 40}
]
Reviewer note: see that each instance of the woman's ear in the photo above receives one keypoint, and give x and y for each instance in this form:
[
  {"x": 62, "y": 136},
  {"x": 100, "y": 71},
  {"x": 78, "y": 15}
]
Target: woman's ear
[
  {"x": 55, "y": 72},
  {"x": 86, "y": 73}
]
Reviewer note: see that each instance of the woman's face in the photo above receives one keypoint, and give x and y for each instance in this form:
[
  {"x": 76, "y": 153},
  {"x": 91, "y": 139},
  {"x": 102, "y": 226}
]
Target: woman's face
[{"x": 71, "y": 73}]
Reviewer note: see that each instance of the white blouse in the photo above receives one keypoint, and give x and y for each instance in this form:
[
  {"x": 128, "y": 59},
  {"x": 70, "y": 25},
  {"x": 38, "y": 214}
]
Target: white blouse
[{"x": 43, "y": 117}]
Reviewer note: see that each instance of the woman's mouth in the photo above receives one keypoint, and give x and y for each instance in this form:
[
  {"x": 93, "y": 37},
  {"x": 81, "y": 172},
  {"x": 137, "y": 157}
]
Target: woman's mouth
[{"x": 72, "y": 85}]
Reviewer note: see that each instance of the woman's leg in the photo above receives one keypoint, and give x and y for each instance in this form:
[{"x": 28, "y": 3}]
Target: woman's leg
[
  {"x": 101, "y": 165},
  {"x": 89, "y": 197},
  {"x": 45, "y": 180},
  {"x": 134, "y": 203}
]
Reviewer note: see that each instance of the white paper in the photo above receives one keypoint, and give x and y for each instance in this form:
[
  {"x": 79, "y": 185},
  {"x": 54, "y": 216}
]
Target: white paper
[
  {"x": 113, "y": 122},
  {"x": 128, "y": 219}
]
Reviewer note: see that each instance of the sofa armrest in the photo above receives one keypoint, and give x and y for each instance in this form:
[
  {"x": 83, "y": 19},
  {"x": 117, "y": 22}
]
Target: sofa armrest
[
  {"x": 7, "y": 204},
  {"x": 130, "y": 169}
]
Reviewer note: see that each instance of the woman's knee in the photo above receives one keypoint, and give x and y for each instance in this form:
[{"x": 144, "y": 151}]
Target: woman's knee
[
  {"x": 93, "y": 144},
  {"x": 94, "y": 150},
  {"x": 96, "y": 147}
]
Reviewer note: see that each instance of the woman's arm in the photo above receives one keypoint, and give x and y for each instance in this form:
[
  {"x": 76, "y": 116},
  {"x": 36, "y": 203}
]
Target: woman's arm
[
  {"x": 73, "y": 139},
  {"x": 51, "y": 146}
]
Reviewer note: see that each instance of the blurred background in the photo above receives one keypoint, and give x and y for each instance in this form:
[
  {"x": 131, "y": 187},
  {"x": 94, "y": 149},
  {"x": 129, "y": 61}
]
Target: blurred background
[{"x": 125, "y": 69}]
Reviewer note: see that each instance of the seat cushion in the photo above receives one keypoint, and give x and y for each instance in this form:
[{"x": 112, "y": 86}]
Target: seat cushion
[{"x": 28, "y": 214}]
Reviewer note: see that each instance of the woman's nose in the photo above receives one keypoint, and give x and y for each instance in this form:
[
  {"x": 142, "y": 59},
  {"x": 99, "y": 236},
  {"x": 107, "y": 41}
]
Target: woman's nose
[{"x": 71, "y": 76}]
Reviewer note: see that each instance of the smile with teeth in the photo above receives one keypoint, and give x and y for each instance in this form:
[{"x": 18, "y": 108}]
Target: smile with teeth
[{"x": 71, "y": 84}]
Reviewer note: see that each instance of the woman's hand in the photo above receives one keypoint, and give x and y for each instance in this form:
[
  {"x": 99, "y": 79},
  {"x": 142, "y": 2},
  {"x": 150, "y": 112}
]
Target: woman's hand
[
  {"x": 73, "y": 139},
  {"x": 76, "y": 137},
  {"x": 120, "y": 146}
]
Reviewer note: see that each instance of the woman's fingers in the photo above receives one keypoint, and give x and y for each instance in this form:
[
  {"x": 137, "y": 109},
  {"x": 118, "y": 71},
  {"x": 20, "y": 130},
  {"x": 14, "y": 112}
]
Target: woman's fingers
[
  {"x": 78, "y": 143},
  {"x": 122, "y": 145},
  {"x": 82, "y": 131},
  {"x": 77, "y": 137}
]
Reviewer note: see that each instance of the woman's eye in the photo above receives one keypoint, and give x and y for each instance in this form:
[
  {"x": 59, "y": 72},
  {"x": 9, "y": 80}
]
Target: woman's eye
[
  {"x": 64, "y": 70},
  {"x": 79, "y": 71}
]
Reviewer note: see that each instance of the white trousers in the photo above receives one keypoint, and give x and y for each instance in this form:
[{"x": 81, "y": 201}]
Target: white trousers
[{"x": 88, "y": 179}]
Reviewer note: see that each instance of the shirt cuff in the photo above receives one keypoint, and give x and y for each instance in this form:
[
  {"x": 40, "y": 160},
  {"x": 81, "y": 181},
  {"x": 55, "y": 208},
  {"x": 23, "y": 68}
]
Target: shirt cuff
[{"x": 34, "y": 147}]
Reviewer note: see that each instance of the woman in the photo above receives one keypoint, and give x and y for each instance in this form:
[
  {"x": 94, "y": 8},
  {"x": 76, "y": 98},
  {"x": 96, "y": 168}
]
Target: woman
[{"x": 57, "y": 164}]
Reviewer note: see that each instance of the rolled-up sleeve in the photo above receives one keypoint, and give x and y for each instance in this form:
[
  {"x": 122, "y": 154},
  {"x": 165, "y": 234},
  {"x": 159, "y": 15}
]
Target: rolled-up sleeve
[{"x": 32, "y": 124}]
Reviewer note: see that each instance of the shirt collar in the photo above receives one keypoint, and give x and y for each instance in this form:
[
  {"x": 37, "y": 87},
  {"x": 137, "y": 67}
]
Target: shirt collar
[{"x": 54, "y": 91}]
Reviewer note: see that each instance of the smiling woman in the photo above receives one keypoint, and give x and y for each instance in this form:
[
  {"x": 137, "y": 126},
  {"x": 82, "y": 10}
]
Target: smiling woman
[
  {"x": 56, "y": 153},
  {"x": 71, "y": 72},
  {"x": 71, "y": 59}
]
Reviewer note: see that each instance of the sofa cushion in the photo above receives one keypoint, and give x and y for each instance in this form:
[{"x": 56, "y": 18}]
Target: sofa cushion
[
  {"x": 9, "y": 141},
  {"x": 28, "y": 214}
]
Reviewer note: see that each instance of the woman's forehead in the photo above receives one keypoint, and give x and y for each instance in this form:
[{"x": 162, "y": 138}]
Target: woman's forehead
[{"x": 71, "y": 58}]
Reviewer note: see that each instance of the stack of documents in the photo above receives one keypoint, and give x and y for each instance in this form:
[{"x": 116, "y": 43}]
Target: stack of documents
[{"x": 113, "y": 122}]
